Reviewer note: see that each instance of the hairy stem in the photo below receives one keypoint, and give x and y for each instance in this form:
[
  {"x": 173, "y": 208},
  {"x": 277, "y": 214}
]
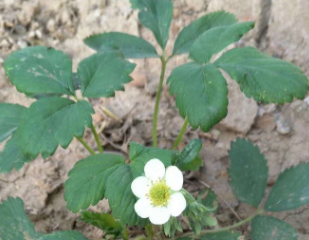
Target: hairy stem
[
  {"x": 182, "y": 131},
  {"x": 85, "y": 145},
  {"x": 236, "y": 225},
  {"x": 149, "y": 231},
  {"x": 156, "y": 110},
  {"x": 96, "y": 137}
]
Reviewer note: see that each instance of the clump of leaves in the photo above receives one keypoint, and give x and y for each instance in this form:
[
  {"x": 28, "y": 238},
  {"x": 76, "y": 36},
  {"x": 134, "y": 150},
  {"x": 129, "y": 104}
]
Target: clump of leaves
[{"x": 62, "y": 111}]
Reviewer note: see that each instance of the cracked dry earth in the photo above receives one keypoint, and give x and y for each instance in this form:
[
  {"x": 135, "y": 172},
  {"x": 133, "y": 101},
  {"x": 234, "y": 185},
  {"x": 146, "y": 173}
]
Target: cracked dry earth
[{"x": 281, "y": 132}]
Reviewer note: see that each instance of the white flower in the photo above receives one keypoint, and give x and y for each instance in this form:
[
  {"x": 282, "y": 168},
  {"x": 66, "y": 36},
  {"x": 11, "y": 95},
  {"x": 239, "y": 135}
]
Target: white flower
[{"x": 158, "y": 192}]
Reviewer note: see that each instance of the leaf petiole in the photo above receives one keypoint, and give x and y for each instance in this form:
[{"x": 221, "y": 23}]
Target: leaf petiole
[
  {"x": 149, "y": 231},
  {"x": 182, "y": 131},
  {"x": 82, "y": 141},
  {"x": 156, "y": 110},
  {"x": 95, "y": 134},
  {"x": 96, "y": 137}
]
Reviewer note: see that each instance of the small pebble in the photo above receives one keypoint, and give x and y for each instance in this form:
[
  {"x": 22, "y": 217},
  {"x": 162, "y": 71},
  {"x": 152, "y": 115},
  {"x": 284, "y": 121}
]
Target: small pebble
[
  {"x": 22, "y": 44},
  {"x": 38, "y": 34}
]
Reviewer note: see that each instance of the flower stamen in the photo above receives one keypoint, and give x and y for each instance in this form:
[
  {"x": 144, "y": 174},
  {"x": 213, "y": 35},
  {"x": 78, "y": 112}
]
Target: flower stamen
[{"x": 159, "y": 194}]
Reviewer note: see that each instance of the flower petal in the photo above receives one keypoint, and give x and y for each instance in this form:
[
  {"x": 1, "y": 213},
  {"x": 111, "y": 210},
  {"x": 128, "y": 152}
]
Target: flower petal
[
  {"x": 159, "y": 215},
  {"x": 143, "y": 208},
  {"x": 174, "y": 178},
  {"x": 154, "y": 169},
  {"x": 177, "y": 204},
  {"x": 140, "y": 186}
]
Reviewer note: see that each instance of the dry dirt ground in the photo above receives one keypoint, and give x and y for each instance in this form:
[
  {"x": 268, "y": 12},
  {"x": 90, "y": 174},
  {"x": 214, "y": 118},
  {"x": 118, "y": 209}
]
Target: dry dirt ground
[{"x": 280, "y": 131}]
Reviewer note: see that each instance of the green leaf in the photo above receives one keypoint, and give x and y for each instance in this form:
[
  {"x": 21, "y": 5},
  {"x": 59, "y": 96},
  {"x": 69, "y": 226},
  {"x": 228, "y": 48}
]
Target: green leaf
[
  {"x": 120, "y": 196},
  {"x": 248, "y": 172},
  {"x": 64, "y": 235},
  {"x": 201, "y": 94},
  {"x": 103, "y": 176},
  {"x": 291, "y": 190},
  {"x": 50, "y": 122},
  {"x": 131, "y": 46},
  {"x": 155, "y": 15},
  {"x": 40, "y": 70},
  {"x": 264, "y": 78},
  {"x": 10, "y": 115},
  {"x": 105, "y": 222},
  {"x": 197, "y": 213},
  {"x": 104, "y": 73},
  {"x": 210, "y": 220},
  {"x": 190, "y": 33},
  {"x": 119, "y": 184},
  {"x": 14, "y": 223},
  {"x": 87, "y": 180},
  {"x": 188, "y": 158},
  {"x": 216, "y": 39},
  {"x": 264, "y": 227},
  {"x": 209, "y": 199},
  {"x": 12, "y": 157},
  {"x": 140, "y": 155},
  {"x": 228, "y": 235},
  {"x": 107, "y": 176}
]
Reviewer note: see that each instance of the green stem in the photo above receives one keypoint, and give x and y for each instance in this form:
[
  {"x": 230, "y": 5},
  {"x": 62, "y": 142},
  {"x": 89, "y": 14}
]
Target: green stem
[
  {"x": 85, "y": 145},
  {"x": 96, "y": 137},
  {"x": 156, "y": 110},
  {"x": 169, "y": 58},
  {"x": 182, "y": 131},
  {"x": 236, "y": 225},
  {"x": 149, "y": 231}
]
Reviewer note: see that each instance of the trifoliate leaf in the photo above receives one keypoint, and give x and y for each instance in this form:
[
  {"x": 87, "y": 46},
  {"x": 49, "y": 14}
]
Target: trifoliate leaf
[
  {"x": 190, "y": 33},
  {"x": 228, "y": 235},
  {"x": 10, "y": 115},
  {"x": 248, "y": 172},
  {"x": 87, "y": 180},
  {"x": 121, "y": 198},
  {"x": 131, "y": 46},
  {"x": 64, "y": 235},
  {"x": 155, "y": 15},
  {"x": 107, "y": 176},
  {"x": 104, "y": 221},
  {"x": 216, "y": 39},
  {"x": 140, "y": 155},
  {"x": 14, "y": 223},
  {"x": 264, "y": 78},
  {"x": 50, "y": 122},
  {"x": 104, "y": 73},
  {"x": 103, "y": 176},
  {"x": 201, "y": 94},
  {"x": 40, "y": 70},
  {"x": 265, "y": 227},
  {"x": 12, "y": 157},
  {"x": 188, "y": 158},
  {"x": 291, "y": 190}
]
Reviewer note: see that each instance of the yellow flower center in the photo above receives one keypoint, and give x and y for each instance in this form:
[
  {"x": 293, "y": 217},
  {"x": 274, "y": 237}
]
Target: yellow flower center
[{"x": 159, "y": 194}]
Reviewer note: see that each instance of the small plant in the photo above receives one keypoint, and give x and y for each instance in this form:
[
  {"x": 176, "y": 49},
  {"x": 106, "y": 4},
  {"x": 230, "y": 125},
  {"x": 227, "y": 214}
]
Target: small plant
[{"x": 146, "y": 190}]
